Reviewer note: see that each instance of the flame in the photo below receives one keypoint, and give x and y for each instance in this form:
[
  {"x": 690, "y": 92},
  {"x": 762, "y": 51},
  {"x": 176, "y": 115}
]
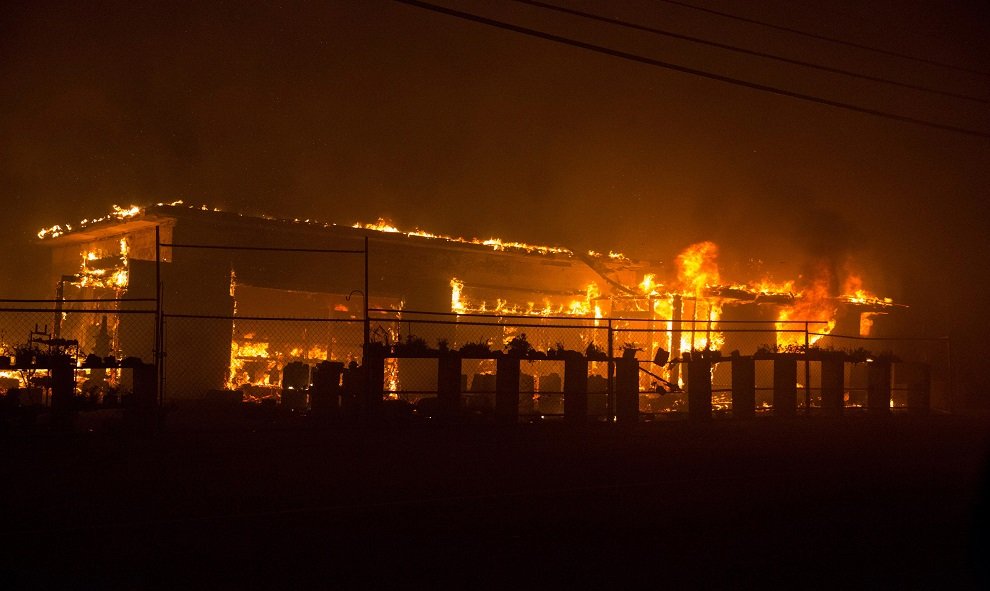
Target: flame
[
  {"x": 383, "y": 225},
  {"x": 94, "y": 273},
  {"x": 584, "y": 306},
  {"x": 313, "y": 353},
  {"x": 697, "y": 268},
  {"x": 648, "y": 285},
  {"x": 456, "y": 305},
  {"x": 380, "y": 226},
  {"x": 118, "y": 213},
  {"x": 769, "y": 286},
  {"x": 812, "y": 304},
  {"x": 244, "y": 352}
]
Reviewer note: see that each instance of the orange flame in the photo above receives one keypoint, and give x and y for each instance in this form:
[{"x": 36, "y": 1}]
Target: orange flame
[{"x": 697, "y": 267}]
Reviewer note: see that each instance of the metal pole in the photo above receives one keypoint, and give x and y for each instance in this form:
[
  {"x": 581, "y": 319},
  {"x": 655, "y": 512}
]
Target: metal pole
[
  {"x": 59, "y": 298},
  {"x": 952, "y": 394},
  {"x": 367, "y": 321},
  {"x": 159, "y": 340},
  {"x": 365, "y": 358},
  {"x": 807, "y": 369},
  {"x": 610, "y": 395},
  {"x": 675, "y": 338}
]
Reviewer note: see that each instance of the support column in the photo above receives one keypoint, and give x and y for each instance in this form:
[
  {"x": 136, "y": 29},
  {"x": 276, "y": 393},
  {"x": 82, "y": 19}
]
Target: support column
[
  {"x": 743, "y": 387},
  {"x": 699, "y": 389},
  {"x": 626, "y": 390},
  {"x": 833, "y": 386},
  {"x": 507, "y": 390},
  {"x": 878, "y": 387},
  {"x": 784, "y": 387},
  {"x": 576, "y": 389},
  {"x": 449, "y": 385}
]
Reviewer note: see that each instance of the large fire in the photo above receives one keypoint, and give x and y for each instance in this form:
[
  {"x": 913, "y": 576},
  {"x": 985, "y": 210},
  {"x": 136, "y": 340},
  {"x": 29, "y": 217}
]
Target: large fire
[
  {"x": 806, "y": 308},
  {"x": 685, "y": 310},
  {"x": 102, "y": 269}
]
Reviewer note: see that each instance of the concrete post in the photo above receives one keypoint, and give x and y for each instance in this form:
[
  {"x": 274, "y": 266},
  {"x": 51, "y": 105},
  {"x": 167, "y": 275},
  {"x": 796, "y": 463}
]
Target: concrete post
[
  {"x": 699, "y": 389},
  {"x": 575, "y": 389},
  {"x": 743, "y": 387},
  {"x": 833, "y": 386},
  {"x": 878, "y": 387},
  {"x": 507, "y": 390},
  {"x": 626, "y": 390},
  {"x": 784, "y": 387},
  {"x": 449, "y": 385}
]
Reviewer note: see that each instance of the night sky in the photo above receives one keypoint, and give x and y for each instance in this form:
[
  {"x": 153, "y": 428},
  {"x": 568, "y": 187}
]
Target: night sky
[{"x": 348, "y": 111}]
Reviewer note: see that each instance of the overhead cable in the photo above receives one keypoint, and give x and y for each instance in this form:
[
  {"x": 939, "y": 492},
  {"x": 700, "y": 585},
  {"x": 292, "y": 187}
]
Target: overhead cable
[
  {"x": 686, "y": 70},
  {"x": 826, "y": 38},
  {"x": 745, "y": 51}
]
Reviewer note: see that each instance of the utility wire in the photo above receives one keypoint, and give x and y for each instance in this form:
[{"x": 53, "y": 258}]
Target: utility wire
[
  {"x": 686, "y": 70},
  {"x": 825, "y": 38},
  {"x": 742, "y": 50}
]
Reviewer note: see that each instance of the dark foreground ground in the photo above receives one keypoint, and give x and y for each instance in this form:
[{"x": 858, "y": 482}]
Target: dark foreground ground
[{"x": 895, "y": 502}]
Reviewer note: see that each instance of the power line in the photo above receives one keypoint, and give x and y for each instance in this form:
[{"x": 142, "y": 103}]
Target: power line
[
  {"x": 686, "y": 70},
  {"x": 826, "y": 38},
  {"x": 742, "y": 50}
]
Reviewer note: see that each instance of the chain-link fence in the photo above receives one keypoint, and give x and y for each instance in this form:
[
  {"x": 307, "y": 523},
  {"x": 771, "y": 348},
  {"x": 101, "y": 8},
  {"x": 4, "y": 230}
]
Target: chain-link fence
[
  {"x": 778, "y": 352},
  {"x": 238, "y": 323},
  {"x": 101, "y": 342},
  {"x": 205, "y": 355},
  {"x": 416, "y": 340},
  {"x": 266, "y": 358},
  {"x": 915, "y": 362}
]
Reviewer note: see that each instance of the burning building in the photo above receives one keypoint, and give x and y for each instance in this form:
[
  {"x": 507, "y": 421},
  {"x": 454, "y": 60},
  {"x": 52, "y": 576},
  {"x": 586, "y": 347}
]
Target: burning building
[{"x": 246, "y": 295}]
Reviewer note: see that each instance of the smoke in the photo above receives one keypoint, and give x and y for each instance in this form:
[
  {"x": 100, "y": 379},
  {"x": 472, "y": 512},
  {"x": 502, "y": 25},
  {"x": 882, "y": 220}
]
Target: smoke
[{"x": 830, "y": 243}]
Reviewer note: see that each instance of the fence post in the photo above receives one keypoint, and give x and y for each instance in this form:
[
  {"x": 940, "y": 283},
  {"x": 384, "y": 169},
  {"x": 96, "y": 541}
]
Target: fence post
[
  {"x": 576, "y": 389},
  {"x": 448, "y": 385},
  {"x": 699, "y": 389},
  {"x": 833, "y": 385},
  {"x": 784, "y": 385},
  {"x": 743, "y": 387},
  {"x": 610, "y": 394},
  {"x": 507, "y": 390},
  {"x": 878, "y": 387},
  {"x": 627, "y": 391},
  {"x": 807, "y": 369},
  {"x": 159, "y": 322},
  {"x": 371, "y": 375}
]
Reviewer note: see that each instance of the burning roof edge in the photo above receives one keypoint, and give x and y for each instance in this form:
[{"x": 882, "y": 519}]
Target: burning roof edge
[{"x": 121, "y": 220}]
